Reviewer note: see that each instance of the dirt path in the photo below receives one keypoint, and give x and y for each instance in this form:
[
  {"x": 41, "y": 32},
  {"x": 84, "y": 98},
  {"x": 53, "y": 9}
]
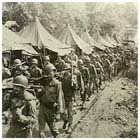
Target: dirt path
[{"x": 113, "y": 115}]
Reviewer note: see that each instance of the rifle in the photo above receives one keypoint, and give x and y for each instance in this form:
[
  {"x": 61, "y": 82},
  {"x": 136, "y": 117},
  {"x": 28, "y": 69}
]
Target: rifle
[{"x": 72, "y": 84}]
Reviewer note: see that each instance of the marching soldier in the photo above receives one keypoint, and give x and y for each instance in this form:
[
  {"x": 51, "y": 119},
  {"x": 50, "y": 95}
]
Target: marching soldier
[
  {"x": 59, "y": 63},
  {"x": 68, "y": 90},
  {"x": 86, "y": 78},
  {"x": 73, "y": 56},
  {"x": 77, "y": 78},
  {"x": 18, "y": 69},
  {"x": 107, "y": 67},
  {"x": 93, "y": 76},
  {"x": 51, "y": 101},
  {"x": 35, "y": 71},
  {"x": 23, "y": 109},
  {"x": 100, "y": 72}
]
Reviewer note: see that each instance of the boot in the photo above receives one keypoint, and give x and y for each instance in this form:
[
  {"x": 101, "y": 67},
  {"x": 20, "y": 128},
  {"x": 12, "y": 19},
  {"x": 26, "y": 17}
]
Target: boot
[
  {"x": 65, "y": 125},
  {"x": 69, "y": 130}
]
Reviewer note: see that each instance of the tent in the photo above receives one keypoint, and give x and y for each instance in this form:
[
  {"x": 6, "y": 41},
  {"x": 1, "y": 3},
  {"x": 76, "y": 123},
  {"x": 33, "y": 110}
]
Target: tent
[
  {"x": 88, "y": 39},
  {"x": 12, "y": 41},
  {"x": 101, "y": 40},
  {"x": 136, "y": 38},
  {"x": 116, "y": 38},
  {"x": 37, "y": 35},
  {"x": 109, "y": 39},
  {"x": 69, "y": 37}
]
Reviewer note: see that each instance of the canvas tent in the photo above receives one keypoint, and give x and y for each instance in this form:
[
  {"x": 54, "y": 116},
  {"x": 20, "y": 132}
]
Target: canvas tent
[
  {"x": 97, "y": 37},
  {"x": 12, "y": 41},
  {"x": 37, "y": 35},
  {"x": 136, "y": 38},
  {"x": 109, "y": 39},
  {"x": 69, "y": 37},
  {"x": 88, "y": 39},
  {"x": 116, "y": 38}
]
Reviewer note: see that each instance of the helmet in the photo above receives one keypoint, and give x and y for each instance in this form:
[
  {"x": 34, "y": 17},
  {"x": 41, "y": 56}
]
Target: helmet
[
  {"x": 74, "y": 63},
  {"x": 17, "y": 62},
  {"x": 66, "y": 66},
  {"x": 49, "y": 68},
  {"x": 47, "y": 58},
  {"x": 87, "y": 60},
  {"x": 34, "y": 61},
  {"x": 21, "y": 81},
  {"x": 80, "y": 61},
  {"x": 72, "y": 50}
]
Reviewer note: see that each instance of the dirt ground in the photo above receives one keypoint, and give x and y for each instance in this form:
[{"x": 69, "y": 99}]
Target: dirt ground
[{"x": 114, "y": 115}]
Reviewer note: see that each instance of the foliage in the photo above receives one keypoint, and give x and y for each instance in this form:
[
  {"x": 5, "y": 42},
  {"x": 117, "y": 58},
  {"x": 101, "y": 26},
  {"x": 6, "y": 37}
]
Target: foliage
[{"x": 105, "y": 17}]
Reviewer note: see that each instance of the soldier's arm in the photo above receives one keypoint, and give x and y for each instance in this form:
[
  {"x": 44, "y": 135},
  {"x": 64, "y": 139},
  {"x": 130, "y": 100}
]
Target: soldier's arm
[
  {"x": 88, "y": 75},
  {"x": 6, "y": 72},
  {"x": 80, "y": 82},
  {"x": 101, "y": 67},
  {"x": 94, "y": 70},
  {"x": 31, "y": 117}
]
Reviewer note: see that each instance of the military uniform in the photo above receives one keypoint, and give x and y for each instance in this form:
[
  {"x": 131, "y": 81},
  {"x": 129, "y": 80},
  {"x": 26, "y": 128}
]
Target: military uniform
[
  {"x": 93, "y": 76},
  {"x": 59, "y": 65},
  {"x": 78, "y": 82},
  {"x": 73, "y": 57},
  {"x": 23, "y": 109},
  {"x": 52, "y": 94},
  {"x": 18, "y": 69},
  {"x": 86, "y": 79},
  {"x": 107, "y": 68},
  {"x": 68, "y": 90},
  {"x": 100, "y": 73},
  {"x": 35, "y": 72},
  {"x": 5, "y": 73}
]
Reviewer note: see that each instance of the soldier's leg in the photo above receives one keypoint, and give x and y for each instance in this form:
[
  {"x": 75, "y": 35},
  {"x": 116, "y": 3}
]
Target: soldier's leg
[
  {"x": 70, "y": 116},
  {"x": 50, "y": 118},
  {"x": 16, "y": 132},
  {"x": 42, "y": 121},
  {"x": 65, "y": 117},
  {"x": 10, "y": 133}
]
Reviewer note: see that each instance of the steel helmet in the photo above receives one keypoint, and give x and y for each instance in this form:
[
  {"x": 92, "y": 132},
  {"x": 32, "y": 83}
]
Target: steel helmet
[
  {"x": 49, "y": 68},
  {"x": 20, "y": 81},
  {"x": 72, "y": 50},
  {"x": 17, "y": 62},
  {"x": 80, "y": 62},
  {"x": 87, "y": 60},
  {"x": 34, "y": 61},
  {"x": 46, "y": 58},
  {"x": 66, "y": 66}
]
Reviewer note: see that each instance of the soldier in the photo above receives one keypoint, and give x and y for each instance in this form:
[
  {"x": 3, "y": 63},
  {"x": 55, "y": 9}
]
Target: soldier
[
  {"x": 107, "y": 67},
  {"x": 46, "y": 61},
  {"x": 68, "y": 90},
  {"x": 67, "y": 59},
  {"x": 93, "y": 76},
  {"x": 35, "y": 71},
  {"x": 73, "y": 56},
  {"x": 18, "y": 69},
  {"x": 59, "y": 63},
  {"x": 23, "y": 109},
  {"x": 86, "y": 78},
  {"x": 77, "y": 78},
  {"x": 100, "y": 71},
  {"x": 5, "y": 73},
  {"x": 51, "y": 101}
]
